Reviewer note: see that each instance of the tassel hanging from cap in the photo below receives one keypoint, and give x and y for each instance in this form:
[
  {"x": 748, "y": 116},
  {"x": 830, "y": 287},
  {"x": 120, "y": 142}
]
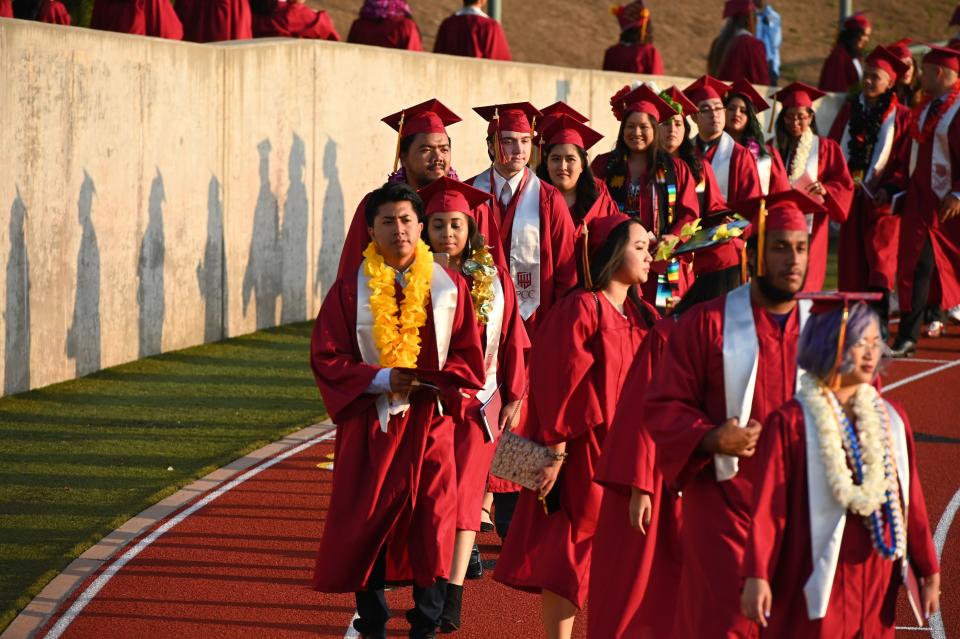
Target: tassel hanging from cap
[
  {"x": 536, "y": 151},
  {"x": 497, "y": 149},
  {"x": 744, "y": 271},
  {"x": 835, "y": 372},
  {"x": 644, "y": 21},
  {"x": 773, "y": 117},
  {"x": 396, "y": 157},
  {"x": 761, "y": 237}
]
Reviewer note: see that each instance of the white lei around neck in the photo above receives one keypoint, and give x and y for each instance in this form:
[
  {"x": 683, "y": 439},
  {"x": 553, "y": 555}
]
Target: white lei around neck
[{"x": 798, "y": 164}]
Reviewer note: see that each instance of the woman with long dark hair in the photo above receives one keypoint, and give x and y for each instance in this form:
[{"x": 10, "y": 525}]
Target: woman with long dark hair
[
  {"x": 579, "y": 361},
  {"x": 842, "y": 69},
  {"x": 736, "y": 52},
  {"x": 743, "y": 104},
  {"x": 634, "y": 53},
  {"x": 908, "y": 89}
]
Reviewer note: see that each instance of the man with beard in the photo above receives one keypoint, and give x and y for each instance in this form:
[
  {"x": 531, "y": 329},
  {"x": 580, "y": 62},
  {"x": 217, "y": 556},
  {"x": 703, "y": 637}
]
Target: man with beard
[
  {"x": 423, "y": 154},
  {"x": 728, "y": 364}
]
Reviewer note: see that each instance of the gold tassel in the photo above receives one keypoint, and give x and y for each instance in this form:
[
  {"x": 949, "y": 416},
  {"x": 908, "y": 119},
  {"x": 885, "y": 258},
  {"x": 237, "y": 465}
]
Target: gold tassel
[
  {"x": 497, "y": 150},
  {"x": 835, "y": 373},
  {"x": 396, "y": 157},
  {"x": 536, "y": 150},
  {"x": 762, "y": 237},
  {"x": 744, "y": 272},
  {"x": 773, "y": 116},
  {"x": 644, "y": 20}
]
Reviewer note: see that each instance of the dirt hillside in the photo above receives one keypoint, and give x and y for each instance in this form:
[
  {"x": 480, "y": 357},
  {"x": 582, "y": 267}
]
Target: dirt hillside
[{"x": 683, "y": 29}]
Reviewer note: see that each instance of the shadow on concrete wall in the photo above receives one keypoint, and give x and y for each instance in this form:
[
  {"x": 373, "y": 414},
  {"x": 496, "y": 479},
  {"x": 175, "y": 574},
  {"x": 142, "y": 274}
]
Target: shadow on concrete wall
[
  {"x": 332, "y": 228},
  {"x": 16, "y": 314},
  {"x": 210, "y": 272},
  {"x": 262, "y": 277},
  {"x": 150, "y": 274},
  {"x": 83, "y": 336},
  {"x": 293, "y": 238}
]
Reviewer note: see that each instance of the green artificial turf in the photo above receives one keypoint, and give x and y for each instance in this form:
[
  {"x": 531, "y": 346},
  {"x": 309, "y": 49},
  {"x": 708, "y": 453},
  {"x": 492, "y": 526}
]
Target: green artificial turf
[{"x": 80, "y": 458}]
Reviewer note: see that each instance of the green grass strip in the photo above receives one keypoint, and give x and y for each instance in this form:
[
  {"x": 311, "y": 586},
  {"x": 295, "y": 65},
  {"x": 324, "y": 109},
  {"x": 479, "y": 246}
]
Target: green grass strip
[{"x": 80, "y": 458}]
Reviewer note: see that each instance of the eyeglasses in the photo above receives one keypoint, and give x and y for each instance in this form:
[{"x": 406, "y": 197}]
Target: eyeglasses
[
  {"x": 797, "y": 117},
  {"x": 867, "y": 344},
  {"x": 709, "y": 110}
]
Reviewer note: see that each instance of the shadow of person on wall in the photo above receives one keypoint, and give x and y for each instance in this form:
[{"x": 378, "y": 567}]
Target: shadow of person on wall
[
  {"x": 83, "y": 336},
  {"x": 262, "y": 277},
  {"x": 16, "y": 314},
  {"x": 150, "y": 274},
  {"x": 210, "y": 273},
  {"x": 293, "y": 238},
  {"x": 332, "y": 227}
]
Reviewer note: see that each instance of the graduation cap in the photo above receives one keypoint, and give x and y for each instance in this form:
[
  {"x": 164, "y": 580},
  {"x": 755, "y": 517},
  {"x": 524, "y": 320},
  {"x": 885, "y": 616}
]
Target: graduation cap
[
  {"x": 562, "y": 108},
  {"x": 798, "y": 94},
  {"x": 678, "y": 99},
  {"x": 858, "y": 20},
  {"x": 520, "y": 117},
  {"x": 632, "y": 16},
  {"x": 563, "y": 129},
  {"x": 595, "y": 234},
  {"x": 784, "y": 211},
  {"x": 830, "y": 301},
  {"x": 446, "y": 195},
  {"x": 943, "y": 57},
  {"x": 883, "y": 58},
  {"x": 706, "y": 88},
  {"x": 901, "y": 48},
  {"x": 427, "y": 117},
  {"x": 736, "y": 8},
  {"x": 642, "y": 99},
  {"x": 743, "y": 88},
  {"x": 718, "y": 244}
]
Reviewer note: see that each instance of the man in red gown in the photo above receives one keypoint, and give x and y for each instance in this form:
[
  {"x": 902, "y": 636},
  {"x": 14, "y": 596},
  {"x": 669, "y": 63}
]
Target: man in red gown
[
  {"x": 386, "y": 23},
  {"x": 743, "y": 55},
  {"x": 728, "y": 364},
  {"x": 290, "y": 19},
  {"x": 842, "y": 69},
  {"x": 870, "y": 129},
  {"x": 929, "y": 172},
  {"x": 635, "y": 52},
  {"x": 215, "y": 20},
  {"x": 155, "y": 18},
  {"x": 536, "y": 228},
  {"x": 393, "y": 507},
  {"x": 424, "y": 154},
  {"x": 472, "y": 33}
]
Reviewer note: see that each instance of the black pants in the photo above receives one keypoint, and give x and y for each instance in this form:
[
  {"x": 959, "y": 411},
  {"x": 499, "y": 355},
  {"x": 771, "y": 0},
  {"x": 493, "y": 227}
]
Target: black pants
[
  {"x": 503, "y": 506},
  {"x": 374, "y": 612},
  {"x": 912, "y": 322}
]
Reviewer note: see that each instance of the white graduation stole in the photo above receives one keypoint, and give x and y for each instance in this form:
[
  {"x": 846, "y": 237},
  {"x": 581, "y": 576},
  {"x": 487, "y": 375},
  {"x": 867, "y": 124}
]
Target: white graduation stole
[
  {"x": 882, "y": 148},
  {"x": 765, "y": 168},
  {"x": 941, "y": 169},
  {"x": 741, "y": 357},
  {"x": 721, "y": 164},
  {"x": 443, "y": 298},
  {"x": 494, "y": 329},
  {"x": 811, "y": 173},
  {"x": 524, "y": 241},
  {"x": 828, "y": 517}
]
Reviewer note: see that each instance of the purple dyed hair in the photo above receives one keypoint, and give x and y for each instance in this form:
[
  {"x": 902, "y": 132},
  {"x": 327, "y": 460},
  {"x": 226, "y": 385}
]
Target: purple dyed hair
[{"x": 817, "y": 349}]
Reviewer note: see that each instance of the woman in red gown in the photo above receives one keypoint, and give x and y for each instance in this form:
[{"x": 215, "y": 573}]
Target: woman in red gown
[{"x": 635, "y": 52}]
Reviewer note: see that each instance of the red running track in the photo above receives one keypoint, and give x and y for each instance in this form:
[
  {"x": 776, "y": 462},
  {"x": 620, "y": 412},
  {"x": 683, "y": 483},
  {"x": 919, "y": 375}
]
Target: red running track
[{"x": 240, "y": 565}]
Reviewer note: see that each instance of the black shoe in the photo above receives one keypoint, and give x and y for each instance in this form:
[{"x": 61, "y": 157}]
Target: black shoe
[
  {"x": 907, "y": 348},
  {"x": 367, "y": 631},
  {"x": 475, "y": 567},
  {"x": 420, "y": 628},
  {"x": 486, "y": 526},
  {"x": 450, "y": 619}
]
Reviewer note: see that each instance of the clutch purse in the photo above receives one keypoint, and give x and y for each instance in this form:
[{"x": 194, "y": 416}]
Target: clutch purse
[{"x": 518, "y": 459}]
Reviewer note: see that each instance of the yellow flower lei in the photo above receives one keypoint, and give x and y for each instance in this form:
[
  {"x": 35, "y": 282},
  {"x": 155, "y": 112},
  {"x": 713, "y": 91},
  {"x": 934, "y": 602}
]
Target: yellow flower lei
[
  {"x": 481, "y": 270},
  {"x": 398, "y": 338}
]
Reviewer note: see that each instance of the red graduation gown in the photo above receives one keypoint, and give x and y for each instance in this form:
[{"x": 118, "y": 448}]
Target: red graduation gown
[
  {"x": 863, "y": 599},
  {"x": 779, "y": 181},
  {"x": 155, "y": 18},
  {"x": 633, "y": 58},
  {"x": 747, "y": 59},
  {"x": 394, "y": 489},
  {"x": 6, "y": 8},
  {"x": 53, "y": 12},
  {"x": 472, "y": 452},
  {"x": 743, "y": 180},
  {"x": 558, "y": 269},
  {"x": 838, "y": 73},
  {"x": 920, "y": 221},
  {"x": 472, "y": 36},
  {"x": 868, "y": 239},
  {"x": 398, "y": 32},
  {"x": 624, "y": 560},
  {"x": 602, "y": 207},
  {"x": 684, "y": 401},
  {"x": 215, "y": 20},
  {"x": 577, "y": 369},
  {"x": 294, "y": 20},
  {"x": 833, "y": 174}
]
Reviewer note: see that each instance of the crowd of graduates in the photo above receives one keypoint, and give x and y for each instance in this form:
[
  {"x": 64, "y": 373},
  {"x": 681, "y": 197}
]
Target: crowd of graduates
[{"x": 719, "y": 458}]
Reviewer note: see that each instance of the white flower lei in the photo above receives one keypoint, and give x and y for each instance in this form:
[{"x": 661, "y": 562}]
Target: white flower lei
[{"x": 799, "y": 162}]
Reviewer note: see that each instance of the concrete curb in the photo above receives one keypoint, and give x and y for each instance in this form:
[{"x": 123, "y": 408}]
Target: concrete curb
[{"x": 45, "y": 604}]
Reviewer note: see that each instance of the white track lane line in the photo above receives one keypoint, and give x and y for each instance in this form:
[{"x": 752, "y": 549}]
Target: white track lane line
[
  {"x": 351, "y": 631},
  {"x": 939, "y": 541},
  {"x": 918, "y": 376},
  {"x": 87, "y": 595}
]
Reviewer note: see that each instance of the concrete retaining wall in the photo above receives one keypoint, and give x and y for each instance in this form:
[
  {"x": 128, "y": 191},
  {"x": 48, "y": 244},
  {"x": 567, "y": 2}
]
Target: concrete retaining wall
[{"x": 156, "y": 195}]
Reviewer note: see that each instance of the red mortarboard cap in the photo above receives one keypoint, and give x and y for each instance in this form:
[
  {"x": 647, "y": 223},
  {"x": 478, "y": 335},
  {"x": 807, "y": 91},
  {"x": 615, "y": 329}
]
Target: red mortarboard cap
[
  {"x": 827, "y": 301},
  {"x": 706, "y": 88},
  {"x": 742, "y": 87},
  {"x": 687, "y": 107},
  {"x": 955, "y": 20},
  {"x": 784, "y": 211},
  {"x": 943, "y": 57},
  {"x": 518, "y": 117},
  {"x": 445, "y": 195},
  {"x": 631, "y": 16},
  {"x": 718, "y": 257},
  {"x": 600, "y": 228},
  {"x": 798, "y": 94},
  {"x": 859, "y": 20},
  {"x": 883, "y": 58},
  {"x": 562, "y": 108},
  {"x": 427, "y": 117},
  {"x": 901, "y": 48},
  {"x": 734, "y": 8},
  {"x": 563, "y": 129},
  {"x": 641, "y": 100}
]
